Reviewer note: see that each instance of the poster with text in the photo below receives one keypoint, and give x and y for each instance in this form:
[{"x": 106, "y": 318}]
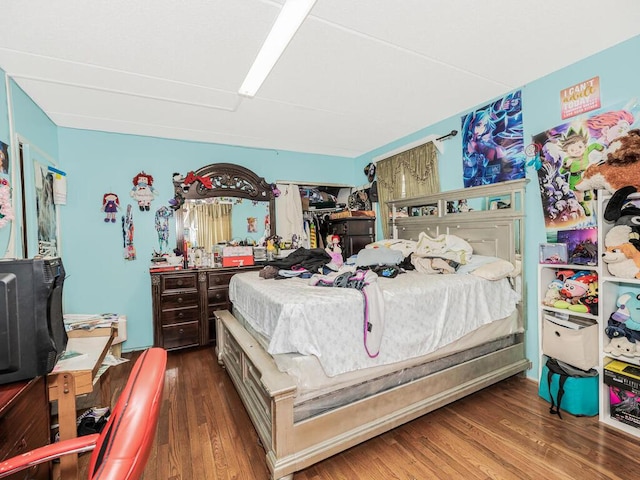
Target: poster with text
[
  {"x": 492, "y": 142},
  {"x": 565, "y": 152}
]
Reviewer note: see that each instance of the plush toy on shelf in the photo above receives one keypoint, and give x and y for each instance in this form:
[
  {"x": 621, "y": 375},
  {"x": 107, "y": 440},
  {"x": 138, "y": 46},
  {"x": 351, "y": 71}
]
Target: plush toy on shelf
[
  {"x": 620, "y": 168},
  {"x": 575, "y": 290},
  {"x": 622, "y": 346},
  {"x": 621, "y": 256}
]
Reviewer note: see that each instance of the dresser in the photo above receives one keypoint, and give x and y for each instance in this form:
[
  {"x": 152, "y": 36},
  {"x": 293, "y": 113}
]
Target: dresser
[
  {"x": 184, "y": 302},
  {"x": 24, "y": 423},
  {"x": 354, "y": 232}
]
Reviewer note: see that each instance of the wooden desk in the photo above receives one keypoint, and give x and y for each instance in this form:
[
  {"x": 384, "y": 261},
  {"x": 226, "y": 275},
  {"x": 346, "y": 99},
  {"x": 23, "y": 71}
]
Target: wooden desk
[{"x": 72, "y": 377}]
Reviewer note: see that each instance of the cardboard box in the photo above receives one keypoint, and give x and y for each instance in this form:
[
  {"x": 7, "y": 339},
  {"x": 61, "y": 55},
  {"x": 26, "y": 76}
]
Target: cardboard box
[
  {"x": 623, "y": 375},
  {"x": 351, "y": 214},
  {"x": 237, "y": 251},
  {"x": 624, "y": 405},
  {"x": 237, "y": 261}
]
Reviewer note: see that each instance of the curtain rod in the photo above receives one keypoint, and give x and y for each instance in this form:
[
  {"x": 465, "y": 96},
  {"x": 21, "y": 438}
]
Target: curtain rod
[{"x": 452, "y": 133}]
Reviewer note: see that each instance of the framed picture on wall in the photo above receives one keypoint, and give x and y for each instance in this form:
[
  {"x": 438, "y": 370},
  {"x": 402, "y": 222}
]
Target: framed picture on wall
[{"x": 45, "y": 211}]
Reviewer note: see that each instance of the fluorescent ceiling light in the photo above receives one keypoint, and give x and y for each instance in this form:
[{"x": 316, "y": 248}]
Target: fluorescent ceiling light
[{"x": 291, "y": 17}]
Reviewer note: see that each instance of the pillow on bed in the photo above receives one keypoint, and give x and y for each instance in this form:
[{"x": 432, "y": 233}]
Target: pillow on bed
[
  {"x": 378, "y": 256},
  {"x": 495, "y": 270},
  {"x": 474, "y": 262}
]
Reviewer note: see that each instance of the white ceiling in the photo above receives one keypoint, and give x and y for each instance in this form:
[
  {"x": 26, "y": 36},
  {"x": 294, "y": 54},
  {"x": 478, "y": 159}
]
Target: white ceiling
[{"x": 357, "y": 75}]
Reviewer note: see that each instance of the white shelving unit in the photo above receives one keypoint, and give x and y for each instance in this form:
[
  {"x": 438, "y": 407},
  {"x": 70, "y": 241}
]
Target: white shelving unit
[
  {"x": 610, "y": 288},
  {"x": 546, "y": 274}
]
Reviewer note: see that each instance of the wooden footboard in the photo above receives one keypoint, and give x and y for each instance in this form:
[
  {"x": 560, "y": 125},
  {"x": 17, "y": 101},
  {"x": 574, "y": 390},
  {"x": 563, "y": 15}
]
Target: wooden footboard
[{"x": 268, "y": 396}]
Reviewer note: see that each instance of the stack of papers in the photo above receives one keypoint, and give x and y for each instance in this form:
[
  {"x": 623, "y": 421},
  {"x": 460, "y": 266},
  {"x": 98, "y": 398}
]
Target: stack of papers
[{"x": 89, "y": 322}]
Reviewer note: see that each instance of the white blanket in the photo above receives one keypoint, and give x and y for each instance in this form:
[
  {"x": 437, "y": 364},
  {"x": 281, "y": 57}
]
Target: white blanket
[{"x": 422, "y": 313}]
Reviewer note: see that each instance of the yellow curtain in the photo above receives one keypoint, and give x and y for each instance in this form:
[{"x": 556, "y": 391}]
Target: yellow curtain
[
  {"x": 209, "y": 223},
  {"x": 410, "y": 173}
]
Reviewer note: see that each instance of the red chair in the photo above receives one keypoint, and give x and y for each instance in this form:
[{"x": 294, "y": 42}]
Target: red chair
[{"x": 121, "y": 450}]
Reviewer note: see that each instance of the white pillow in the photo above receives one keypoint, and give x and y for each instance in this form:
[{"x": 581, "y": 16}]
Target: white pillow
[
  {"x": 474, "y": 262},
  {"x": 495, "y": 270}
]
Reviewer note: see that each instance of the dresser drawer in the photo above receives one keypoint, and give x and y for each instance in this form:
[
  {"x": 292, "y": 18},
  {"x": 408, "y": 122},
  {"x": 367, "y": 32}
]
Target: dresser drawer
[
  {"x": 215, "y": 280},
  {"x": 181, "y": 335},
  {"x": 218, "y": 296},
  {"x": 25, "y": 426},
  {"x": 188, "y": 281},
  {"x": 179, "y": 300},
  {"x": 180, "y": 315}
]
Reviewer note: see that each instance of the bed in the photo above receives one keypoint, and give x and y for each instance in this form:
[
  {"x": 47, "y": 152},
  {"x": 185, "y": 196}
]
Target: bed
[{"x": 301, "y": 414}]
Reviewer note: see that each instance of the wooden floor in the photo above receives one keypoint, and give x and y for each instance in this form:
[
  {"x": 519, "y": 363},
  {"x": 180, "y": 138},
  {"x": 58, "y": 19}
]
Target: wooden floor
[{"x": 502, "y": 432}]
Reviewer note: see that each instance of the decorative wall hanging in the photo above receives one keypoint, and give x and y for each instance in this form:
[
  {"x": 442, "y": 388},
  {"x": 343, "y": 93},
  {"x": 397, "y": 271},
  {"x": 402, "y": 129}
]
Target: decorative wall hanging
[
  {"x": 162, "y": 226},
  {"x": 110, "y": 206},
  {"x": 4, "y": 158},
  {"x": 492, "y": 143},
  {"x": 45, "y": 211},
  {"x": 6, "y": 209},
  {"x": 127, "y": 235},
  {"x": 143, "y": 191}
]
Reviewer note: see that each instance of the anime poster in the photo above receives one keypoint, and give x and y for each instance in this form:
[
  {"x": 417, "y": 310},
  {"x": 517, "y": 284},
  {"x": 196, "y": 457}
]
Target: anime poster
[
  {"x": 563, "y": 153},
  {"x": 492, "y": 142}
]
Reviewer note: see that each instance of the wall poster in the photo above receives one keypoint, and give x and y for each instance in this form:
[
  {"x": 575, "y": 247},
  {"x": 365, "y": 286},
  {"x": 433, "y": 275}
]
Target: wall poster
[
  {"x": 580, "y": 98},
  {"x": 45, "y": 211},
  {"x": 492, "y": 142},
  {"x": 563, "y": 153}
]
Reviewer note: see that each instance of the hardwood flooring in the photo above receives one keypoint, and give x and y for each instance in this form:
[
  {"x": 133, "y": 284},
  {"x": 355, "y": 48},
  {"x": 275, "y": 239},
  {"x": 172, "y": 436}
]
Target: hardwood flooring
[{"x": 502, "y": 432}]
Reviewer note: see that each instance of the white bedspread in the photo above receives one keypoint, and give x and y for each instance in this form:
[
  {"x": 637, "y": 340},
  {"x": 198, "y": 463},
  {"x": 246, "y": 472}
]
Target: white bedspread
[{"x": 422, "y": 313}]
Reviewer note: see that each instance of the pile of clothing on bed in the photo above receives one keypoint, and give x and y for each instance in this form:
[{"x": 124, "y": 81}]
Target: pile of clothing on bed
[{"x": 444, "y": 254}]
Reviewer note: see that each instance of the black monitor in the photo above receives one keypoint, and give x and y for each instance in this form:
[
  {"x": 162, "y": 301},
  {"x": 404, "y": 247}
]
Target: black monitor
[{"x": 32, "y": 333}]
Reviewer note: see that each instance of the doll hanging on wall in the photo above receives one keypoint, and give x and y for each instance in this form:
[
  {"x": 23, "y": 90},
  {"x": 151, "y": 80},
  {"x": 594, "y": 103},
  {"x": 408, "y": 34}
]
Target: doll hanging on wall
[
  {"x": 143, "y": 191},
  {"x": 110, "y": 206}
]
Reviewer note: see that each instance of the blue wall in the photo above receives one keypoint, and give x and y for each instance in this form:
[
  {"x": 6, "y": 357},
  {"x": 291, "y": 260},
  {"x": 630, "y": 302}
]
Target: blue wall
[
  {"x": 100, "y": 280},
  {"x": 541, "y": 111}
]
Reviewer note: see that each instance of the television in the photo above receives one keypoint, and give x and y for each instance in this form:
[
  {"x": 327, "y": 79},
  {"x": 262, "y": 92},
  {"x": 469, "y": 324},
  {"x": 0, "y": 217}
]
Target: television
[{"x": 32, "y": 333}]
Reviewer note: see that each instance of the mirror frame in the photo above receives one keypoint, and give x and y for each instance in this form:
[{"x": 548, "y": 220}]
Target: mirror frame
[{"x": 227, "y": 180}]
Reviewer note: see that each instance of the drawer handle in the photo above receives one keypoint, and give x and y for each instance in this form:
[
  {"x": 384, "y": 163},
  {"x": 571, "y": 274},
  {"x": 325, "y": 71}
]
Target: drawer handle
[
  {"x": 218, "y": 296},
  {"x": 181, "y": 331},
  {"x": 180, "y": 282},
  {"x": 180, "y": 300},
  {"x": 22, "y": 445},
  {"x": 180, "y": 315}
]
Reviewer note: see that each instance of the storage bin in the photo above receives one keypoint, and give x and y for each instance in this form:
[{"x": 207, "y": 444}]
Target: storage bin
[
  {"x": 580, "y": 394},
  {"x": 577, "y": 347}
]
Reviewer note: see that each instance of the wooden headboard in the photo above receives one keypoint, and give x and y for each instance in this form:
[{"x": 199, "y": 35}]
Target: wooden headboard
[{"x": 494, "y": 225}]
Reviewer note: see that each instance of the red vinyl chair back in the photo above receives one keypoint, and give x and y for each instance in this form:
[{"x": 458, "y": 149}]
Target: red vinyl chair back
[
  {"x": 121, "y": 450},
  {"x": 124, "y": 445}
]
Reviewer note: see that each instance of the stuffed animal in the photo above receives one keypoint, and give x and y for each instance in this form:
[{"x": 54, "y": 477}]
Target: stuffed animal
[
  {"x": 334, "y": 251},
  {"x": 624, "y": 210},
  {"x": 621, "y": 256},
  {"x": 622, "y": 346},
  {"x": 553, "y": 293},
  {"x": 628, "y": 311},
  {"x": 574, "y": 289},
  {"x": 621, "y": 166}
]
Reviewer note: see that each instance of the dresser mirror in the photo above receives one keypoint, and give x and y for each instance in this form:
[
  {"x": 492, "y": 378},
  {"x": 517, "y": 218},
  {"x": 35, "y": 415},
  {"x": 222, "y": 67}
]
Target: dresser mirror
[{"x": 222, "y": 203}]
